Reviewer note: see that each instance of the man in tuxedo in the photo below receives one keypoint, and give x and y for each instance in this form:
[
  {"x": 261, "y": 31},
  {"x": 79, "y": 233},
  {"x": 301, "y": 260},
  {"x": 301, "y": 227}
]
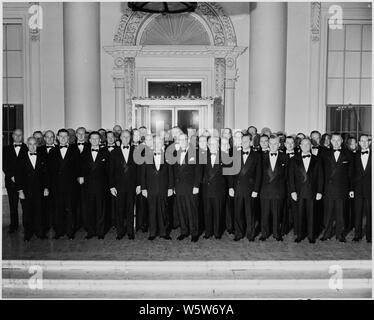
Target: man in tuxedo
[
  {"x": 202, "y": 159},
  {"x": 45, "y": 151},
  {"x": 38, "y": 135},
  {"x": 32, "y": 185},
  {"x": 187, "y": 177},
  {"x": 315, "y": 137},
  {"x": 156, "y": 178},
  {"x": 93, "y": 179},
  {"x": 264, "y": 143},
  {"x": 273, "y": 189},
  {"x": 338, "y": 170},
  {"x": 11, "y": 155},
  {"x": 117, "y": 130},
  {"x": 103, "y": 138},
  {"x": 362, "y": 188},
  {"x": 110, "y": 200},
  {"x": 252, "y": 130},
  {"x": 244, "y": 187},
  {"x": 213, "y": 191},
  {"x": 123, "y": 178},
  {"x": 305, "y": 186},
  {"x": 64, "y": 169}
]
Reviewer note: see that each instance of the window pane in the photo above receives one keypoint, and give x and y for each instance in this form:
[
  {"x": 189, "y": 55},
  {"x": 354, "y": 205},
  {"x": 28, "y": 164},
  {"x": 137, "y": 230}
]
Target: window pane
[
  {"x": 352, "y": 91},
  {"x": 333, "y": 119},
  {"x": 161, "y": 120},
  {"x": 349, "y": 119},
  {"x": 334, "y": 91},
  {"x": 188, "y": 119},
  {"x": 4, "y": 65},
  {"x": 5, "y": 117},
  {"x": 14, "y": 64},
  {"x": 15, "y": 91},
  {"x": 366, "y": 91},
  {"x": 335, "y": 64},
  {"x": 366, "y": 64},
  {"x": 5, "y": 92},
  {"x": 12, "y": 117},
  {"x": 336, "y": 39},
  {"x": 364, "y": 114},
  {"x": 14, "y": 37},
  {"x": 353, "y": 37},
  {"x": 4, "y": 36},
  {"x": 366, "y": 37},
  {"x": 352, "y": 64}
]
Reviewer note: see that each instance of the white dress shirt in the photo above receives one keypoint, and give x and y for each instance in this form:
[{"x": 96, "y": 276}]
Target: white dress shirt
[
  {"x": 94, "y": 153},
  {"x": 337, "y": 154},
  {"x": 157, "y": 159},
  {"x": 213, "y": 159},
  {"x": 32, "y": 159},
  {"x": 63, "y": 152},
  {"x": 110, "y": 148},
  {"x": 16, "y": 149},
  {"x": 183, "y": 155},
  {"x": 245, "y": 156},
  {"x": 273, "y": 160},
  {"x": 364, "y": 158},
  {"x": 291, "y": 153},
  {"x": 306, "y": 161},
  {"x": 80, "y": 147},
  {"x": 49, "y": 147},
  {"x": 125, "y": 152}
]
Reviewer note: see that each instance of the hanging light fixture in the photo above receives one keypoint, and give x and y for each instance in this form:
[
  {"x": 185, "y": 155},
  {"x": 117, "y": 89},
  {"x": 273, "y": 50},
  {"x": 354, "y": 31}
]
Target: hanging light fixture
[{"x": 163, "y": 7}]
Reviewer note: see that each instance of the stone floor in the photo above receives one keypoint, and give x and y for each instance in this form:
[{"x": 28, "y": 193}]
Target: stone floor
[{"x": 13, "y": 247}]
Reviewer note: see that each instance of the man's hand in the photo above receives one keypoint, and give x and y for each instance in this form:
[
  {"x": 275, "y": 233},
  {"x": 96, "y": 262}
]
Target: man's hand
[
  {"x": 21, "y": 195},
  {"x": 113, "y": 191},
  {"x": 195, "y": 190},
  {"x": 318, "y": 196},
  {"x": 13, "y": 179},
  {"x": 254, "y": 194},
  {"x": 231, "y": 192},
  {"x": 80, "y": 180},
  {"x": 170, "y": 192},
  {"x": 294, "y": 196},
  {"x": 46, "y": 192},
  {"x": 351, "y": 194},
  {"x": 138, "y": 190},
  {"x": 145, "y": 193}
]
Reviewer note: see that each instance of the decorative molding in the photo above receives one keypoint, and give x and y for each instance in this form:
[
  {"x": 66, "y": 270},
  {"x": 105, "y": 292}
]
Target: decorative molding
[
  {"x": 35, "y": 34},
  {"x": 315, "y": 21},
  {"x": 220, "y": 74},
  {"x": 129, "y": 72},
  {"x": 219, "y": 23}
]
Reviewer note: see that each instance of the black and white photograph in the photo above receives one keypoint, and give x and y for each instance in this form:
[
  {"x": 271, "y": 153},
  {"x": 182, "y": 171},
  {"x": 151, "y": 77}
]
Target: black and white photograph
[{"x": 186, "y": 151}]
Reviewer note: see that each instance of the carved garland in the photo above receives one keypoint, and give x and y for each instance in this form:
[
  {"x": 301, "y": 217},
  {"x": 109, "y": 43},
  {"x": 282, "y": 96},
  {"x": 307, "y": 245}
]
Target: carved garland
[
  {"x": 315, "y": 20},
  {"x": 219, "y": 23}
]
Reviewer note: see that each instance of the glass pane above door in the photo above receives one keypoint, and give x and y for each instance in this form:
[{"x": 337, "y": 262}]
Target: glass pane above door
[
  {"x": 161, "y": 120},
  {"x": 188, "y": 119}
]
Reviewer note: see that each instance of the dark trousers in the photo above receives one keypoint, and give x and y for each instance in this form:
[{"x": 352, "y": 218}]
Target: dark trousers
[
  {"x": 48, "y": 214},
  {"x": 95, "y": 217},
  {"x": 334, "y": 217},
  {"x": 289, "y": 216},
  {"x": 79, "y": 206},
  {"x": 271, "y": 208},
  {"x": 244, "y": 217},
  {"x": 110, "y": 210},
  {"x": 13, "y": 206},
  {"x": 187, "y": 208},
  {"x": 229, "y": 213},
  {"x": 158, "y": 217},
  {"x": 213, "y": 211},
  {"x": 33, "y": 220},
  {"x": 305, "y": 219},
  {"x": 64, "y": 218},
  {"x": 349, "y": 216},
  {"x": 173, "y": 212},
  {"x": 125, "y": 213},
  {"x": 362, "y": 209},
  {"x": 142, "y": 218}
]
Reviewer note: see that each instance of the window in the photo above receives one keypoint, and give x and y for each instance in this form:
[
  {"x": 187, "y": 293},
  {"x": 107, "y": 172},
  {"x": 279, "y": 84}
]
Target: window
[
  {"x": 348, "y": 98},
  {"x": 13, "y": 77},
  {"x": 174, "y": 89}
]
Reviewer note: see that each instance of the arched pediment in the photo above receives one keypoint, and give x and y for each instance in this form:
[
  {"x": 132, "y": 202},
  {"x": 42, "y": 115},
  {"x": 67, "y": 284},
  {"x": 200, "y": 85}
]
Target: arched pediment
[{"x": 132, "y": 29}]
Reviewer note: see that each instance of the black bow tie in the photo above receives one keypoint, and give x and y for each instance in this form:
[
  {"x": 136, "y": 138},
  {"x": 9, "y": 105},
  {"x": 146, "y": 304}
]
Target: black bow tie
[
  {"x": 94, "y": 150},
  {"x": 63, "y": 147},
  {"x": 49, "y": 147},
  {"x": 365, "y": 152},
  {"x": 306, "y": 156},
  {"x": 291, "y": 152},
  {"x": 80, "y": 143},
  {"x": 337, "y": 150},
  {"x": 17, "y": 145},
  {"x": 273, "y": 154},
  {"x": 125, "y": 147},
  {"x": 246, "y": 152},
  {"x": 32, "y": 153},
  {"x": 314, "y": 147},
  {"x": 157, "y": 153}
]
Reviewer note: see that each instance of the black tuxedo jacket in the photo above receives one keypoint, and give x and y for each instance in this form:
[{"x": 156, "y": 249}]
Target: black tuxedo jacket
[
  {"x": 95, "y": 173},
  {"x": 249, "y": 177},
  {"x": 156, "y": 182},
  {"x": 30, "y": 180},
  {"x": 43, "y": 150},
  {"x": 123, "y": 175},
  {"x": 10, "y": 161},
  {"x": 64, "y": 172},
  {"x": 361, "y": 177},
  {"x": 214, "y": 183},
  {"x": 337, "y": 175},
  {"x": 274, "y": 182},
  {"x": 305, "y": 184},
  {"x": 86, "y": 146},
  {"x": 188, "y": 175}
]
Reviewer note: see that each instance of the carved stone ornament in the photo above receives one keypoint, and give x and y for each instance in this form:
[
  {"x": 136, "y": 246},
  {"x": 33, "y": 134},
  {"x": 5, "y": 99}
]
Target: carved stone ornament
[{"x": 315, "y": 20}]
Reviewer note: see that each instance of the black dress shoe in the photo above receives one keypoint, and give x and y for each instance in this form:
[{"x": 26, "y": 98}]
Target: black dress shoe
[
  {"x": 100, "y": 237},
  {"x": 297, "y": 240},
  {"x": 217, "y": 237},
  {"x": 89, "y": 236},
  {"x": 12, "y": 230},
  {"x": 206, "y": 237},
  {"x": 181, "y": 237},
  {"x": 131, "y": 237},
  {"x": 236, "y": 239},
  {"x": 26, "y": 239},
  {"x": 368, "y": 240},
  {"x": 43, "y": 237},
  {"x": 151, "y": 238},
  {"x": 166, "y": 237},
  {"x": 279, "y": 239},
  {"x": 312, "y": 240},
  {"x": 71, "y": 237},
  {"x": 56, "y": 237},
  {"x": 119, "y": 237},
  {"x": 342, "y": 239},
  {"x": 356, "y": 239},
  {"x": 251, "y": 239},
  {"x": 324, "y": 239},
  {"x": 262, "y": 238},
  {"x": 194, "y": 239}
]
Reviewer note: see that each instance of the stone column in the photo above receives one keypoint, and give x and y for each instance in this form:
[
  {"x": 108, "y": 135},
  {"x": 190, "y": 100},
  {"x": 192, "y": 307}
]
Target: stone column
[
  {"x": 119, "y": 91},
  {"x": 267, "y": 65},
  {"x": 230, "y": 79},
  {"x": 35, "y": 86},
  {"x": 82, "y": 64}
]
